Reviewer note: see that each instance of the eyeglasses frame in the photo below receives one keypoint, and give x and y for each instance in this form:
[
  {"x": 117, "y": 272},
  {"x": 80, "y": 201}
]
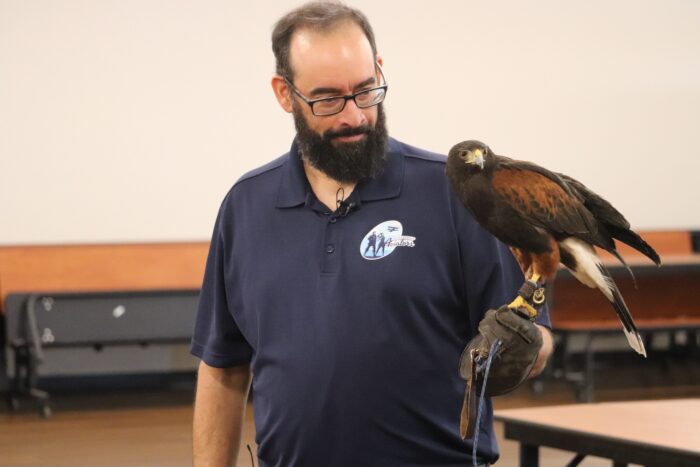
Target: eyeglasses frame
[{"x": 346, "y": 98}]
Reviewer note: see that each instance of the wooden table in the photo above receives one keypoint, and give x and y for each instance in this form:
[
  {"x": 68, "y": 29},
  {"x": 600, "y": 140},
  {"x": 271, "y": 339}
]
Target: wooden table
[{"x": 652, "y": 433}]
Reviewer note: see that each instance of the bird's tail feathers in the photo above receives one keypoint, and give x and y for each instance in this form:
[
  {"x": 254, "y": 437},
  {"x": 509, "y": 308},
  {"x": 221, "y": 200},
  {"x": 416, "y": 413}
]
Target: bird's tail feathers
[
  {"x": 623, "y": 313},
  {"x": 635, "y": 241},
  {"x": 624, "y": 263}
]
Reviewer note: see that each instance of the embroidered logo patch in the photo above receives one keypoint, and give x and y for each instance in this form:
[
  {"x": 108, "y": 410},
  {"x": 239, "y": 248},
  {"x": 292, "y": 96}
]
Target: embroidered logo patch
[{"x": 383, "y": 239}]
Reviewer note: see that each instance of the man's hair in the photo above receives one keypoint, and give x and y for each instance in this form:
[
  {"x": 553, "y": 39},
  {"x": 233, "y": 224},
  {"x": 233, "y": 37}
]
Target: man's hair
[{"x": 316, "y": 16}]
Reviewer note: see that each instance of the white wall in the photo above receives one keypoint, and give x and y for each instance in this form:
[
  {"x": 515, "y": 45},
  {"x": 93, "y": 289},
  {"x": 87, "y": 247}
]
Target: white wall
[{"x": 127, "y": 121}]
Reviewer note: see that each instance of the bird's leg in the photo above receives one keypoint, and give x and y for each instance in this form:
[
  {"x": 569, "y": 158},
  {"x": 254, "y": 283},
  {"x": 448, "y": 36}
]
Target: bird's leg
[{"x": 530, "y": 295}]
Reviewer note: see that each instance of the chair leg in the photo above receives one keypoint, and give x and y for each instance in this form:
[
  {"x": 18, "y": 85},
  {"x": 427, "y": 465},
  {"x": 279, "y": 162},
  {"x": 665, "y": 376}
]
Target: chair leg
[
  {"x": 586, "y": 391},
  {"x": 24, "y": 383}
]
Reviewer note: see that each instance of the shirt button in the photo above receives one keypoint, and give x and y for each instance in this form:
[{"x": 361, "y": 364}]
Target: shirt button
[
  {"x": 333, "y": 220},
  {"x": 330, "y": 248}
]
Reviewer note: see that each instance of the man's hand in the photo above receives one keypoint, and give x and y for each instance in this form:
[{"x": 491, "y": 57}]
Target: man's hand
[{"x": 521, "y": 352}]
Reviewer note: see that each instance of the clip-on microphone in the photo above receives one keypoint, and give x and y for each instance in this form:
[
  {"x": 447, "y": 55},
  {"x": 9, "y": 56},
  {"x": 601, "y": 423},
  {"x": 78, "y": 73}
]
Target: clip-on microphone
[{"x": 344, "y": 208}]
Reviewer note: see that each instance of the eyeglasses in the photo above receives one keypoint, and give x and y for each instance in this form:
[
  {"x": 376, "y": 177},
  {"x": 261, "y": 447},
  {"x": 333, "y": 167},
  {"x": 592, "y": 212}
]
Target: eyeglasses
[{"x": 333, "y": 105}]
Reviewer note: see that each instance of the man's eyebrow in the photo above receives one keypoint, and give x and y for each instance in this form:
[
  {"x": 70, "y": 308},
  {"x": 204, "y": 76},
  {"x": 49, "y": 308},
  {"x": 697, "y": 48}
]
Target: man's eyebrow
[{"x": 337, "y": 92}]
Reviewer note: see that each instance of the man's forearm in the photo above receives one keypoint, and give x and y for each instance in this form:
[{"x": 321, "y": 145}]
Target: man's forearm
[
  {"x": 218, "y": 414},
  {"x": 544, "y": 353}
]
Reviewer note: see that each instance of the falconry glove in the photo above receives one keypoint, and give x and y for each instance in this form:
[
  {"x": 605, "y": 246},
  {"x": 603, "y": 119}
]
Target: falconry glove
[{"x": 520, "y": 343}]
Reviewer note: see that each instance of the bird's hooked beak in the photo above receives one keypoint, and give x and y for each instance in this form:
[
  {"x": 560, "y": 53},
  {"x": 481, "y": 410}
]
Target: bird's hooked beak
[{"x": 475, "y": 156}]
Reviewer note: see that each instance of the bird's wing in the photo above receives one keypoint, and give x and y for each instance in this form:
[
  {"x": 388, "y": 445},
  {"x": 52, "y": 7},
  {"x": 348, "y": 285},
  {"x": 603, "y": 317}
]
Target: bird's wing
[
  {"x": 542, "y": 200},
  {"x": 613, "y": 221},
  {"x": 509, "y": 163},
  {"x": 601, "y": 209}
]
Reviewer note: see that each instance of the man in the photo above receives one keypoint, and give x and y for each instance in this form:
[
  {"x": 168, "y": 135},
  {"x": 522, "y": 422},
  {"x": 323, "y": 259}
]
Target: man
[
  {"x": 342, "y": 378},
  {"x": 382, "y": 244},
  {"x": 372, "y": 243}
]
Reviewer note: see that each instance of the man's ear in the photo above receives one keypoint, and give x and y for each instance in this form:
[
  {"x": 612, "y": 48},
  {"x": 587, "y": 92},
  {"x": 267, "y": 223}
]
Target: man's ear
[{"x": 282, "y": 92}]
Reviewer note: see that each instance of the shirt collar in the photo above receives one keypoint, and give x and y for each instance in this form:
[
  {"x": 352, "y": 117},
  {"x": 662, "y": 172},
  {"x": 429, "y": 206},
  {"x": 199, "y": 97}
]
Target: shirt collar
[{"x": 294, "y": 185}]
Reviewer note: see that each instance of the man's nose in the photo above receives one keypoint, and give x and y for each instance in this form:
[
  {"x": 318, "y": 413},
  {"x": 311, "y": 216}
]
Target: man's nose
[{"x": 352, "y": 115}]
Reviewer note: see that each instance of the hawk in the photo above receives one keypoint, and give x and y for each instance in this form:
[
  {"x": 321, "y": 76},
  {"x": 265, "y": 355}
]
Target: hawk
[{"x": 546, "y": 218}]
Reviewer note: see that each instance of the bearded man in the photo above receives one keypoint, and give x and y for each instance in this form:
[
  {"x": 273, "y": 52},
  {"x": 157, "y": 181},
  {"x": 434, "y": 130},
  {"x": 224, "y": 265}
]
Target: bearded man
[{"x": 353, "y": 359}]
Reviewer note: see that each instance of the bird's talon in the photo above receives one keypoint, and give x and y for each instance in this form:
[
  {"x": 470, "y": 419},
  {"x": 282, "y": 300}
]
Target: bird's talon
[{"x": 521, "y": 304}]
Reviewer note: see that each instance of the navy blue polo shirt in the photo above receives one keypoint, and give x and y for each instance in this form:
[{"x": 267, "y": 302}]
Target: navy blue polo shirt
[{"x": 353, "y": 322}]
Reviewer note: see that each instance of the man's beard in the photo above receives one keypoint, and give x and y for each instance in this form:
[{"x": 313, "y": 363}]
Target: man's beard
[{"x": 346, "y": 162}]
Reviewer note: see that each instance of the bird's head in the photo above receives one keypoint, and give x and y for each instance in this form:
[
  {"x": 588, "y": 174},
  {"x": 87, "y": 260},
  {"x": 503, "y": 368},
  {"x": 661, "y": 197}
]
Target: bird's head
[{"x": 472, "y": 153}]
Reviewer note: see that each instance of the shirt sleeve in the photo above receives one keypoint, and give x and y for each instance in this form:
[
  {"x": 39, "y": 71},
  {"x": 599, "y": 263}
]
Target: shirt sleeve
[
  {"x": 491, "y": 275},
  {"x": 217, "y": 339}
]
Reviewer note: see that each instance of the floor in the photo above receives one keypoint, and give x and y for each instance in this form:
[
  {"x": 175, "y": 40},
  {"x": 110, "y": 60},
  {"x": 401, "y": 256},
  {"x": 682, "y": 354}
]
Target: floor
[{"x": 149, "y": 423}]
